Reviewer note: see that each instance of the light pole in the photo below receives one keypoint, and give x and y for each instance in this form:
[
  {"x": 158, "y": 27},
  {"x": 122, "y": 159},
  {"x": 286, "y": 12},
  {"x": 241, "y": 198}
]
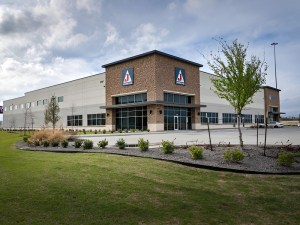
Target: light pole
[{"x": 274, "y": 44}]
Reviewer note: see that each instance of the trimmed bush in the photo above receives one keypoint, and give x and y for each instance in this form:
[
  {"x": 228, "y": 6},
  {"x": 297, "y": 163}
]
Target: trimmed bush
[
  {"x": 78, "y": 143},
  {"x": 64, "y": 143},
  {"x": 227, "y": 155},
  {"x": 196, "y": 152},
  {"x": 84, "y": 131},
  {"x": 285, "y": 159},
  {"x": 103, "y": 143},
  {"x": 87, "y": 144},
  {"x": 167, "y": 147},
  {"x": 143, "y": 144},
  {"x": 54, "y": 143},
  {"x": 95, "y": 131},
  {"x": 121, "y": 143},
  {"x": 104, "y": 131},
  {"x": 237, "y": 155},
  {"x": 234, "y": 155}
]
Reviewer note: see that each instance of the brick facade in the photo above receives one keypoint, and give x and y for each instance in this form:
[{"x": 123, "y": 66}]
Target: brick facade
[
  {"x": 154, "y": 73},
  {"x": 272, "y": 103}
]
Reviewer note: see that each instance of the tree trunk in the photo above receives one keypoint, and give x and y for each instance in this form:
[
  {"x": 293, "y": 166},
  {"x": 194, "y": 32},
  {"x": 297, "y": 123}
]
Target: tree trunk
[{"x": 239, "y": 128}]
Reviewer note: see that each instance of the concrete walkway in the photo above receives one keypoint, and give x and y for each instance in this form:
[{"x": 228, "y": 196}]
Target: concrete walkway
[{"x": 279, "y": 136}]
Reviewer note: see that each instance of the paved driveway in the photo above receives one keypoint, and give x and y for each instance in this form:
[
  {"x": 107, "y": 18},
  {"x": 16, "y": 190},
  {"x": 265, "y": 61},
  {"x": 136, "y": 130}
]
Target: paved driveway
[{"x": 278, "y": 136}]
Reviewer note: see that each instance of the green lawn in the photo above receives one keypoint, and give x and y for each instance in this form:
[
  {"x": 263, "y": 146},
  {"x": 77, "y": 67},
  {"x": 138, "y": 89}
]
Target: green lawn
[{"x": 57, "y": 188}]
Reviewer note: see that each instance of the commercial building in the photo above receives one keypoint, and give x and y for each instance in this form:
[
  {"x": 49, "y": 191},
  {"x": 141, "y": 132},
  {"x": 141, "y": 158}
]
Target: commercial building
[{"x": 154, "y": 90}]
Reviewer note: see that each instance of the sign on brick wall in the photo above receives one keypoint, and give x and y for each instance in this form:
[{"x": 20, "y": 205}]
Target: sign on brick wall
[
  {"x": 127, "y": 76},
  {"x": 179, "y": 76}
]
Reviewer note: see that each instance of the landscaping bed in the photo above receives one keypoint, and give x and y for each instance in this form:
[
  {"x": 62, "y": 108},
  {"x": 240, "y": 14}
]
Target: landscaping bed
[{"x": 253, "y": 162}]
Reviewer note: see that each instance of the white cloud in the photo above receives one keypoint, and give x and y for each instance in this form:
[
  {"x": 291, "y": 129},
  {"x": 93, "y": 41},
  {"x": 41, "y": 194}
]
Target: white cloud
[
  {"x": 91, "y": 6},
  {"x": 112, "y": 35},
  {"x": 172, "y": 6},
  {"x": 52, "y": 41},
  {"x": 148, "y": 37}
]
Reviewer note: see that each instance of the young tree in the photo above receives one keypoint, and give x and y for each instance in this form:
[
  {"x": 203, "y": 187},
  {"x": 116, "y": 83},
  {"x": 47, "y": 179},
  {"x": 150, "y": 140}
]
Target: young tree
[
  {"x": 27, "y": 112},
  {"x": 51, "y": 112},
  {"x": 237, "y": 79}
]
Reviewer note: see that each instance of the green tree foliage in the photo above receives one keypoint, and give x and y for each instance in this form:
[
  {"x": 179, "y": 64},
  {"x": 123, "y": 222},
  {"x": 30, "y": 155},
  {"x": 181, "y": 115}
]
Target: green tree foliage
[
  {"x": 51, "y": 112},
  {"x": 237, "y": 80}
]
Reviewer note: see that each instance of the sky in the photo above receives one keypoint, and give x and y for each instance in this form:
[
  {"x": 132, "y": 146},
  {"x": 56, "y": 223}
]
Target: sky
[{"x": 46, "y": 42}]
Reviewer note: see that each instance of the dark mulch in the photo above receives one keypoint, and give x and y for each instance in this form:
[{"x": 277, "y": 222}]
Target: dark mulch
[{"x": 254, "y": 161}]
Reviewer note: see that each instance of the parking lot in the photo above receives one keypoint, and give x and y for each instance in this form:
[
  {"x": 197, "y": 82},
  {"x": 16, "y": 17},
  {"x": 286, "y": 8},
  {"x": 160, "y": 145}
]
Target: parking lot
[{"x": 275, "y": 136}]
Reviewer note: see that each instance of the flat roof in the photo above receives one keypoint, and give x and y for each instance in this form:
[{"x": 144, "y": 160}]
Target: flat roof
[
  {"x": 150, "y": 53},
  {"x": 276, "y": 89},
  {"x": 65, "y": 82}
]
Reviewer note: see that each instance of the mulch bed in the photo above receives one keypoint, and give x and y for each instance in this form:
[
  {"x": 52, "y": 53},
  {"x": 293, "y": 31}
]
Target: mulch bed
[{"x": 254, "y": 161}]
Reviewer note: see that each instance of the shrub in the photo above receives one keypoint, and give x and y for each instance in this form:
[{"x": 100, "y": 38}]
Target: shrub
[
  {"x": 119, "y": 130},
  {"x": 132, "y": 130},
  {"x": 227, "y": 155},
  {"x": 88, "y": 144},
  {"x": 167, "y": 147},
  {"x": 143, "y": 145},
  {"x": 121, "y": 143},
  {"x": 36, "y": 143},
  {"x": 64, "y": 143},
  {"x": 148, "y": 130},
  {"x": 235, "y": 155},
  {"x": 197, "y": 152},
  {"x": 46, "y": 143},
  {"x": 285, "y": 158},
  {"x": 104, "y": 131},
  {"x": 103, "y": 143},
  {"x": 25, "y": 138},
  {"x": 96, "y": 132},
  {"x": 78, "y": 143},
  {"x": 57, "y": 136},
  {"x": 41, "y": 135},
  {"x": 54, "y": 143},
  {"x": 84, "y": 131}
]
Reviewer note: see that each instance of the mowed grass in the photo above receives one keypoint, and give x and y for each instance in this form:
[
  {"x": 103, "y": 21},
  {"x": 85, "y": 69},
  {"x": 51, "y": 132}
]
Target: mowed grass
[{"x": 57, "y": 188}]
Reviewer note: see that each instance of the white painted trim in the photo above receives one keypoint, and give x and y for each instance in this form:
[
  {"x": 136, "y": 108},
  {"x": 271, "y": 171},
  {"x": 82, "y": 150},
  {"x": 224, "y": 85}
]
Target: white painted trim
[
  {"x": 130, "y": 93},
  {"x": 175, "y": 92}
]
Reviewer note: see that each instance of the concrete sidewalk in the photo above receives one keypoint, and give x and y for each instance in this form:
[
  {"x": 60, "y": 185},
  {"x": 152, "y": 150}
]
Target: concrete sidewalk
[{"x": 280, "y": 136}]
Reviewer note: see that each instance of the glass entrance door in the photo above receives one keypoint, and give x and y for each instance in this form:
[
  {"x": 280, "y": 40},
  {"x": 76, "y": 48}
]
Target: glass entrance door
[{"x": 176, "y": 123}]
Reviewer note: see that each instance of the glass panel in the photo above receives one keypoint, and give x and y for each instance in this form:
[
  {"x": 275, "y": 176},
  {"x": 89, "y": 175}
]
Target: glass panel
[
  {"x": 131, "y": 112},
  {"x": 145, "y": 123},
  {"x": 182, "y": 99},
  {"x": 130, "y": 98},
  {"x": 138, "y": 98},
  {"x": 176, "y": 98},
  {"x": 124, "y": 123},
  {"x": 124, "y": 99},
  {"x": 165, "y": 97},
  {"x": 170, "y": 97},
  {"x": 131, "y": 122},
  {"x": 182, "y": 123},
  {"x": 144, "y": 97}
]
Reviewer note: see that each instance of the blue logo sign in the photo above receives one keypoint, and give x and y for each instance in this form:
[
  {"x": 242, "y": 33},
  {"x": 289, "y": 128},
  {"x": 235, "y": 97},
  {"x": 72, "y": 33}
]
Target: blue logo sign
[
  {"x": 179, "y": 76},
  {"x": 127, "y": 76}
]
